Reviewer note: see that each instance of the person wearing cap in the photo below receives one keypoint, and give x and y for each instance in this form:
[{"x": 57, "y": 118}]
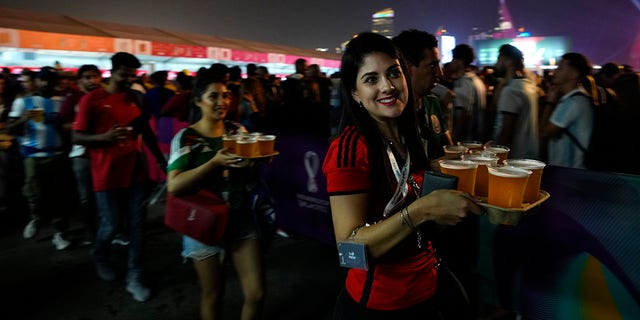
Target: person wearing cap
[
  {"x": 516, "y": 124},
  {"x": 47, "y": 169}
]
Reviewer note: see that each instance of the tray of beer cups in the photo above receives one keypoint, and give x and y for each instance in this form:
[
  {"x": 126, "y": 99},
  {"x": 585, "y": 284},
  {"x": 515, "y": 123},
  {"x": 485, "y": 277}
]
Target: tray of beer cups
[
  {"x": 513, "y": 190},
  {"x": 253, "y": 145}
]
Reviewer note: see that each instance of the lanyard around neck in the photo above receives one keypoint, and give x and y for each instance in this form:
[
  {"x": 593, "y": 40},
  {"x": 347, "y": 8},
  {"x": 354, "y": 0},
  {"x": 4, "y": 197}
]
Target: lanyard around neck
[{"x": 401, "y": 177}]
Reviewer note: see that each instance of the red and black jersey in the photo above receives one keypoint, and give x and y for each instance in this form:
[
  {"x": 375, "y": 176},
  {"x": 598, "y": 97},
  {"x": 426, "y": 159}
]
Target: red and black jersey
[{"x": 403, "y": 277}]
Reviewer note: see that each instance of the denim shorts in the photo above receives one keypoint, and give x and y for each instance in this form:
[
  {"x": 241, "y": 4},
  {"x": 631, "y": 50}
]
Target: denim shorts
[{"x": 239, "y": 227}]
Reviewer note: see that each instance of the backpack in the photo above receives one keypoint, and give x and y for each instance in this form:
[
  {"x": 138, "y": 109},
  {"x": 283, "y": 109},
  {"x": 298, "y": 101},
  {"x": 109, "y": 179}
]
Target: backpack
[{"x": 603, "y": 132}]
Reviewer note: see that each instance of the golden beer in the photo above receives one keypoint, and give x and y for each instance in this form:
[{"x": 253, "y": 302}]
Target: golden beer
[
  {"x": 38, "y": 114},
  {"x": 506, "y": 186},
  {"x": 472, "y": 145},
  {"x": 266, "y": 144},
  {"x": 464, "y": 170},
  {"x": 247, "y": 147},
  {"x": 454, "y": 152},
  {"x": 483, "y": 159},
  {"x": 531, "y": 192},
  {"x": 501, "y": 151},
  {"x": 229, "y": 142}
]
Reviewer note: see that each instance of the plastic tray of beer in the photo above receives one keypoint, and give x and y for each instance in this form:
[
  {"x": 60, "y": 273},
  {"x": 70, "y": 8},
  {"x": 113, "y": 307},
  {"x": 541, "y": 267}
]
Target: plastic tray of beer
[
  {"x": 275, "y": 153},
  {"x": 511, "y": 216}
]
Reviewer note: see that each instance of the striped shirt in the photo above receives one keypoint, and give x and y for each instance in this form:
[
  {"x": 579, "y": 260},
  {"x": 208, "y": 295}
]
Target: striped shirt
[{"x": 39, "y": 139}]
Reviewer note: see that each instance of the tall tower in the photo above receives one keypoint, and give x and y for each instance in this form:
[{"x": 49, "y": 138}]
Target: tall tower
[
  {"x": 382, "y": 22},
  {"x": 505, "y": 27}
]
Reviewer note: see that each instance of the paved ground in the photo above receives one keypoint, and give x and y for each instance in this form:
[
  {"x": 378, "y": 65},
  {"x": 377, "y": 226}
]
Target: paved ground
[{"x": 38, "y": 282}]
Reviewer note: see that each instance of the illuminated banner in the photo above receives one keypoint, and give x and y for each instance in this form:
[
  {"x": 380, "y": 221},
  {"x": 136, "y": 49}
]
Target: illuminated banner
[
  {"x": 61, "y": 41},
  {"x": 218, "y": 53},
  {"x": 177, "y": 50},
  {"x": 276, "y": 58},
  {"x": 331, "y": 64},
  {"x": 252, "y": 56},
  {"x": 288, "y": 59},
  {"x": 537, "y": 51},
  {"x": 142, "y": 47},
  {"x": 9, "y": 38}
]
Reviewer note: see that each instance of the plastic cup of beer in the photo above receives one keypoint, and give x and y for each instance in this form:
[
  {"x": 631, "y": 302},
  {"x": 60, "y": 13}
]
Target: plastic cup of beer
[
  {"x": 472, "y": 145},
  {"x": 247, "y": 147},
  {"x": 483, "y": 159},
  {"x": 454, "y": 151},
  {"x": 501, "y": 151},
  {"x": 506, "y": 186},
  {"x": 266, "y": 144},
  {"x": 38, "y": 114},
  {"x": 463, "y": 169},
  {"x": 531, "y": 192},
  {"x": 229, "y": 142}
]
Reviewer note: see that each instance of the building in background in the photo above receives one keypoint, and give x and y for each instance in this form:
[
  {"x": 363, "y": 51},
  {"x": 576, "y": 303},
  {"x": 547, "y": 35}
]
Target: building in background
[
  {"x": 382, "y": 22},
  {"x": 505, "y": 27},
  {"x": 33, "y": 39}
]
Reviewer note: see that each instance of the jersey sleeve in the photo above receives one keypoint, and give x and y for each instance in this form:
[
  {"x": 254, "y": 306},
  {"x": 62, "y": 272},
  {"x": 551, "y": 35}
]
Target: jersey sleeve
[
  {"x": 510, "y": 101},
  {"x": 17, "y": 108},
  {"x": 346, "y": 165},
  {"x": 180, "y": 154},
  {"x": 81, "y": 120}
]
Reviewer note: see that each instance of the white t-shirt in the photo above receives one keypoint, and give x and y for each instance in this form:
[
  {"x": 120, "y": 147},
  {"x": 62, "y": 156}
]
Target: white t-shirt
[
  {"x": 520, "y": 96},
  {"x": 471, "y": 95},
  {"x": 574, "y": 113}
]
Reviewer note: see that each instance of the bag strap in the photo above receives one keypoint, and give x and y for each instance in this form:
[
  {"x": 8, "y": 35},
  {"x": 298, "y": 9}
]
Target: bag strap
[
  {"x": 366, "y": 290},
  {"x": 574, "y": 140}
]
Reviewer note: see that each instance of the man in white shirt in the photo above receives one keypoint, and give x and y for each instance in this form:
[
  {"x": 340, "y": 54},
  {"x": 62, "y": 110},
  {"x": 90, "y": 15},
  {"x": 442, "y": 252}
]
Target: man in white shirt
[
  {"x": 516, "y": 123},
  {"x": 570, "y": 125}
]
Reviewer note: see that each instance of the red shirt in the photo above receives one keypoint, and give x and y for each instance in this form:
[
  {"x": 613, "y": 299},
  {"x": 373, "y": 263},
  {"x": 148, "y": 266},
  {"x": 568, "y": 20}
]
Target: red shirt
[
  {"x": 404, "y": 276},
  {"x": 117, "y": 165}
]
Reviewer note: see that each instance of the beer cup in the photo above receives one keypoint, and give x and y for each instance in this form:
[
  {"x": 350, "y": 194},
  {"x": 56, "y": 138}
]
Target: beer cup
[
  {"x": 463, "y": 169},
  {"x": 506, "y": 186},
  {"x": 38, "y": 114},
  {"x": 501, "y": 151},
  {"x": 247, "y": 147},
  {"x": 266, "y": 144},
  {"x": 483, "y": 159},
  {"x": 454, "y": 151},
  {"x": 229, "y": 142},
  {"x": 531, "y": 192},
  {"x": 472, "y": 145}
]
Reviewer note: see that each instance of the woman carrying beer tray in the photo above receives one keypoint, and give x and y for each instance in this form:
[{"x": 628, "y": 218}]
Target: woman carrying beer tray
[
  {"x": 199, "y": 160},
  {"x": 374, "y": 171}
]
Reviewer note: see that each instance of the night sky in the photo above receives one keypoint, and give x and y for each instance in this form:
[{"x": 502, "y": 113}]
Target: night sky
[{"x": 604, "y": 30}]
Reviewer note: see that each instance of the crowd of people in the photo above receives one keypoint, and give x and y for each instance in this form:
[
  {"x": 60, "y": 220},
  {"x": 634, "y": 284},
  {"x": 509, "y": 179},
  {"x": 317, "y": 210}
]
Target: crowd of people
[{"x": 95, "y": 148}]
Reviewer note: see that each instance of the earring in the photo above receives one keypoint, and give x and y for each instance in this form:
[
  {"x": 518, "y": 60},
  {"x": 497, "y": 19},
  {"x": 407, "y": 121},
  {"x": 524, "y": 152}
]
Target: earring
[{"x": 360, "y": 103}]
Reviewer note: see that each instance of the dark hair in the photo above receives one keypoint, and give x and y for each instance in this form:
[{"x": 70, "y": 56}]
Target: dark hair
[
  {"x": 514, "y": 54},
  {"x": 159, "y": 78},
  {"x": 412, "y": 44},
  {"x": 124, "y": 59},
  {"x": 251, "y": 69},
  {"x": 578, "y": 62},
  {"x": 87, "y": 67},
  {"x": 202, "y": 82},
  {"x": 219, "y": 71},
  {"x": 235, "y": 73},
  {"x": 184, "y": 80},
  {"x": 203, "y": 79},
  {"x": 610, "y": 69},
  {"x": 356, "y": 51},
  {"x": 49, "y": 74},
  {"x": 464, "y": 52}
]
